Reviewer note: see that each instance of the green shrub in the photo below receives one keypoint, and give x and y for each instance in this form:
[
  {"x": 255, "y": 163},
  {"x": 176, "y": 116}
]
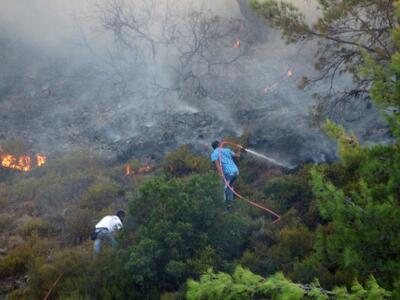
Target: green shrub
[
  {"x": 73, "y": 264},
  {"x": 25, "y": 189},
  {"x": 30, "y": 224},
  {"x": 182, "y": 162},
  {"x": 181, "y": 231},
  {"x": 78, "y": 226},
  {"x": 290, "y": 191},
  {"x": 16, "y": 262},
  {"x": 100, "y": 195}
]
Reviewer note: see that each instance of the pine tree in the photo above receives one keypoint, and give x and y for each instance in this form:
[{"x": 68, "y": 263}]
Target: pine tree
[
  {"x": 363, "y": 206},
  {"x": 344, "y": 32}
]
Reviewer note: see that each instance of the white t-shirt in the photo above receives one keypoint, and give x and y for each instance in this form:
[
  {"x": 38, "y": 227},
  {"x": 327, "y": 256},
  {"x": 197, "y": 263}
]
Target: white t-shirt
[{"x": 112, "y": 223}]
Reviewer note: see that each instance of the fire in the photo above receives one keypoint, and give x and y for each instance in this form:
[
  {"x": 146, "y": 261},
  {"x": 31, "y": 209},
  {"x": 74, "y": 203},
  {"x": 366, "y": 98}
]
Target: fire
[
  {"x": 140, "y": 170},
  {"x": 237, "y": 44},
  {"x": 24, "y": 162},
  {"x": 7, "y": 161},
  {"x": 21, "y": 163},
  {"x": 40, "y": 160},
  {"x": 128, "y": 170}
]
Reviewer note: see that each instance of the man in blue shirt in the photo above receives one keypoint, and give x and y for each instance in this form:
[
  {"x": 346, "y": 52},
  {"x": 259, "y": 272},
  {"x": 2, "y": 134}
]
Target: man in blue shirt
[{"x": 229, "y": 168}]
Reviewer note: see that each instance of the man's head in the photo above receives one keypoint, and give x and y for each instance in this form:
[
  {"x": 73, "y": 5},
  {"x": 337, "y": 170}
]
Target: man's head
[
  {"x": 215, "y": 144},
  {"x": 120, "y": 214}
]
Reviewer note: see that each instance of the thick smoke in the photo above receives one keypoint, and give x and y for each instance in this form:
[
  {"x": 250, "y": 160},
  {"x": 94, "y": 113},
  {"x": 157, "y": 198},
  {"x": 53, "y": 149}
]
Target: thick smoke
[{"x": 143, "y": 77}]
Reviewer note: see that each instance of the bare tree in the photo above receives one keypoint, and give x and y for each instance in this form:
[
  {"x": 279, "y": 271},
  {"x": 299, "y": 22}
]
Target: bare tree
[{"x": 190, "y": 44}]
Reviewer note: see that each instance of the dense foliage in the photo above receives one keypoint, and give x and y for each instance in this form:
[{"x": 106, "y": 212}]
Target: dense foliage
[{"x": 243, "y": 284}]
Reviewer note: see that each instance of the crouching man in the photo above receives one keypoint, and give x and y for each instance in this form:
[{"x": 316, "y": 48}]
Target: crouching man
[{"x": 105, "y": 229}]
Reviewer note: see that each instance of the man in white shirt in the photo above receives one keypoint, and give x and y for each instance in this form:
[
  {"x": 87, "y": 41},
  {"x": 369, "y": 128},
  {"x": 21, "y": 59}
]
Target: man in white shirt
[{"x": 105, "y": 229}]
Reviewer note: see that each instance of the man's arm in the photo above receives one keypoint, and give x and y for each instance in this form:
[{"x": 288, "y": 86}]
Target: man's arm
[
  {"x": 238, "y": 152},
  {"x": 218, "y": 166},
  {"x": 117, "y": 223}
]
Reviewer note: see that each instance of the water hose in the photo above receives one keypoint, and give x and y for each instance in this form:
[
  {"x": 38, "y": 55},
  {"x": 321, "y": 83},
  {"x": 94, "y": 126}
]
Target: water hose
[
  {"x": 253, "y": 203},
  {"x": 52, "y": 287}
]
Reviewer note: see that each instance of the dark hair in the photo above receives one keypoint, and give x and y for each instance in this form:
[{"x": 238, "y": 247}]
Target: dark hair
[
  {"x": 215, "y": 144},
  {"x": 120, "y": 214}
]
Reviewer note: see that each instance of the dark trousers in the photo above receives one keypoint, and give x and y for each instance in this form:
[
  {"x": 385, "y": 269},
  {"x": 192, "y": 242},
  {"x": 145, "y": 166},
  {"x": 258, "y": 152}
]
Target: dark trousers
[
  {"x": 228, "y": 193},
  {"x": 103, "y": 235}
]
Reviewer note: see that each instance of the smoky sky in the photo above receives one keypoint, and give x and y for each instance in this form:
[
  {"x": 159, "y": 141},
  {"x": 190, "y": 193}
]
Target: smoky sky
[
  {"x": 52, "y": 25},
  {"x": 74, "y": 85}
]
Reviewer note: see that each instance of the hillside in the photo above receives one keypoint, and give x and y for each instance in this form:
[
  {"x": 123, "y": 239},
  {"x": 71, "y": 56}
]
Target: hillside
[{"x": 200, "y": 150}]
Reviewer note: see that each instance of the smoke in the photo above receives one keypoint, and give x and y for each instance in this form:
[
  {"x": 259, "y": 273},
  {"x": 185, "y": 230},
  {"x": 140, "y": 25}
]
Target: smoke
[
  {"x": 45, "y": 25},
  {"x": 133, "y": 77}
]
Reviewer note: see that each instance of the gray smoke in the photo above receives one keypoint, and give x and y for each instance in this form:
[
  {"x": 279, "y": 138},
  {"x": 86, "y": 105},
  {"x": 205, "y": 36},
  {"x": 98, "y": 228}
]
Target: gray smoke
[{"x": 139, "y": 78}]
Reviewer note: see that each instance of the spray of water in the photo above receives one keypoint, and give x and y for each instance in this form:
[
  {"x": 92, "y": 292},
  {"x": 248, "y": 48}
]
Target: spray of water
[{"x": 271, "y": 160}]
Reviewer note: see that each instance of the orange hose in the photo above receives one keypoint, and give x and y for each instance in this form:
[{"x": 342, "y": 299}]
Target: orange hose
[
  {"x": 253, "y": 203},
  {"x": 52, "y": 287}
]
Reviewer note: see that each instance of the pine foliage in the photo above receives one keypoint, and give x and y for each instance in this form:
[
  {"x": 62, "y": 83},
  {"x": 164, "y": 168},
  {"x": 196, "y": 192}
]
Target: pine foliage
[
  {"x": 363, "y": 212},
  {"x": 243, "y": 284}
]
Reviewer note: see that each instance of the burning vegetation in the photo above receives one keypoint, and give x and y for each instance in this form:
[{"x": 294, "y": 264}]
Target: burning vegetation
[
  {"x": 22, "y": 163},
  {"x": 140, "y": 170}
]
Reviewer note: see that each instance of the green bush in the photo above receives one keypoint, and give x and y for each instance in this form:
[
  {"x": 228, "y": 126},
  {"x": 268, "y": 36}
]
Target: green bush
[
  {"x": 181, "y": 231},
  {"x": 16, "y": 262},
  {"x": 25, "y": 189},
  {"x": 78, "y": 226},
  {"x": 289, "y": 191},
  {"x": 30, "y": 224},
  {"x": 182, "y": 162},
  {"x": 73, "y": 264},
  {"x": 100, "y": 195}
]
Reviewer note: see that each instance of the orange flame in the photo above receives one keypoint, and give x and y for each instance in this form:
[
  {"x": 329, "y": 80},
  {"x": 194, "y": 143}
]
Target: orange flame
[
  {"x": 21, "y": 163},
  {"x": 24, "y": 163},
  {"x": 140, "y": 170},
  {"x": 7, "y": 161},
  {"x": 128, "y": 170},
  {"x": 40, "y": 160}
]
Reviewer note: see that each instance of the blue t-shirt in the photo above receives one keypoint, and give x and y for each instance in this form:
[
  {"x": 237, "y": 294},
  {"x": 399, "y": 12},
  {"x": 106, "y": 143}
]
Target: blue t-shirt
[{"x": 228, "y": 165}]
